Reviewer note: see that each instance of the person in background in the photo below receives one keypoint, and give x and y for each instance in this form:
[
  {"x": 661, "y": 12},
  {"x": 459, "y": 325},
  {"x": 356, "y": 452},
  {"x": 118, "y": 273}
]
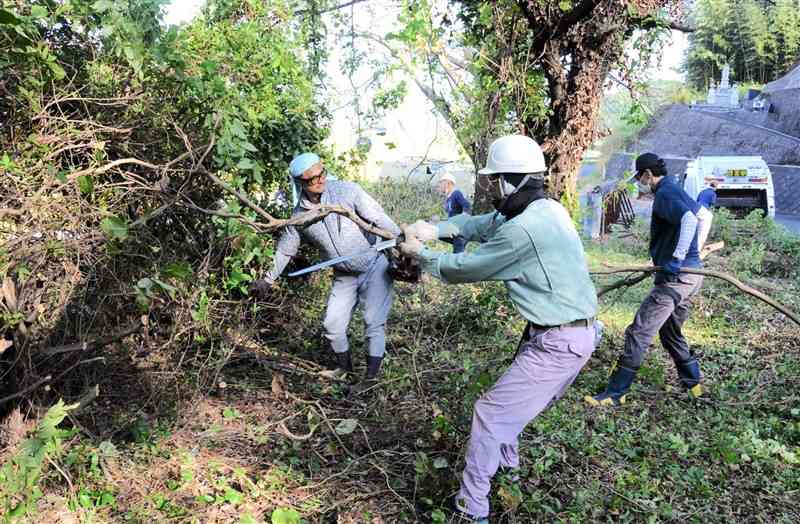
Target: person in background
[
  {"x": 455, "y": 203},
  {"x": 707, "y": 198}
]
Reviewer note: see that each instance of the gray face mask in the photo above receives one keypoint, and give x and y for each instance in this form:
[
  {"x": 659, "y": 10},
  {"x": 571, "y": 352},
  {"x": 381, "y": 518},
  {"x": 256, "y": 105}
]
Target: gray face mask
[{"x": 644, "y": 188}]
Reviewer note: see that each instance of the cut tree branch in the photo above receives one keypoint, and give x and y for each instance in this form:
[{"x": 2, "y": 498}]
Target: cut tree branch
[
  {"x": 93, "y": 344},
  {"x": 647, "y": 270},
  {"x": 301, "y": 219}
]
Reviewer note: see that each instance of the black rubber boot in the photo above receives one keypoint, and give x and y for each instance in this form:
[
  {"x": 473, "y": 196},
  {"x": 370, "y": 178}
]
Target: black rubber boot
[
  {"x": 373, "y": 367},
  {"x": 371, "y": 378},
  {"x": 344, "y": 362}
]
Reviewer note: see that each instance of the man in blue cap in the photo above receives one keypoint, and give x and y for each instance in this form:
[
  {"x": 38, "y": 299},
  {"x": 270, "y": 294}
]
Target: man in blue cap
[
  {"x": 673, "y": 246},
  {"x": 361, "y": 280}
]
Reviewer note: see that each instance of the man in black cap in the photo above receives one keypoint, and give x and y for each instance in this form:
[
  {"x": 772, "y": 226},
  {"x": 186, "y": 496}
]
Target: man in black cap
[{"x": 673, "y": 245}]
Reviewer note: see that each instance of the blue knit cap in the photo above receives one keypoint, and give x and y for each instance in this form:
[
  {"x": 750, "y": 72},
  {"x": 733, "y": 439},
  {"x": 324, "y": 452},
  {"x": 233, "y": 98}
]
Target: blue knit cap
[{"x": 301, "y": 163}]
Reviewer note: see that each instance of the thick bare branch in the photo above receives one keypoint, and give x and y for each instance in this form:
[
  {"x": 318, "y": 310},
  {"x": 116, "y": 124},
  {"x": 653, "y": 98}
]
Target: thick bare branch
[
  {"x": 301, "y": 219},
  {"x": 92, "y": 344},
  {"x": 708, "y": 273}
]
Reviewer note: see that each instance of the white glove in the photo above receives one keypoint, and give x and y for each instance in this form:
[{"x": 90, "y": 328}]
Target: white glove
[
  {"x": 422, "y": 231},
  {"x": 411, "y": 246}
]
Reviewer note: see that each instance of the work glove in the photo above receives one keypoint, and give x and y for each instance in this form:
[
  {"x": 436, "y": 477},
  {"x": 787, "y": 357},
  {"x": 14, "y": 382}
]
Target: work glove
[
  {"x": 411, "y": 245},
  {"x": 422, "y": 231},
  {"x": 261, "y": 288},
  {"x": 673, "y": 267}
]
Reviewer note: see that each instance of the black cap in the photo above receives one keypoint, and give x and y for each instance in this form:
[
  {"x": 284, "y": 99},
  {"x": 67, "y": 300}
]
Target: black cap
[{"x": 647, "y": 161}]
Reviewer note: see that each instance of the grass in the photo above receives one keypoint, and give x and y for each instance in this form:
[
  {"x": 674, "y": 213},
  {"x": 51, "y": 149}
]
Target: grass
[{"x": 274, "y": 442}]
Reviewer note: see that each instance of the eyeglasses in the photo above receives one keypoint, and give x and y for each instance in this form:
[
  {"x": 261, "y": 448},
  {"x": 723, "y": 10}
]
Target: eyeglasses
[{"x": 315, "y": 179}]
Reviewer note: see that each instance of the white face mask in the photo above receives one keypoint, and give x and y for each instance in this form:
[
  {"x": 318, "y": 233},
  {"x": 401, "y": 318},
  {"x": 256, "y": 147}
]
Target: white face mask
[
  {"x": 505, "y": 187},
  {"x": 644, "y": 188}
]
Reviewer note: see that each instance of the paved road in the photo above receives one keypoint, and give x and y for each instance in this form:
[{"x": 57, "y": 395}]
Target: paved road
[{"x": 791, "y": 222}]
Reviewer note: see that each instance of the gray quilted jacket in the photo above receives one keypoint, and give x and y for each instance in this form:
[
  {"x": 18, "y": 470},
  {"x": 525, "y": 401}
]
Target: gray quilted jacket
[{"x": 335, "y": 235}]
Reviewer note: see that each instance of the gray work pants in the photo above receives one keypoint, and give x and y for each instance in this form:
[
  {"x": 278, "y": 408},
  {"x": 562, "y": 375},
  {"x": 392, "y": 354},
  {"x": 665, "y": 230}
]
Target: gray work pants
[
  {"x": 545, "y": 366},
  {"x": 373, "y": 289},
  {"x": 664, "y": 311}
]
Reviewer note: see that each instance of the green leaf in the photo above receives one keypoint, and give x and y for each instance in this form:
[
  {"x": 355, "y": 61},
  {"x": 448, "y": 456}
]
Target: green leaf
[
  {"x": 246, "y": 164},
  {"x": 57, "y": 70},
  {"x": 209, "y": 66},
  {"x": 247, "y": 518},
  {"x": 8, "y": 18},
  {"x": 85, "y": 500},
  {"x": 170, "y": 290},
  {"x": 85, "y": 184},
  {"x": 285, "y": 516},
  {"x": 102, "y": 6},
  {"x": 247, "y": 146},
  {"x": 237, "y": 277},
  {"x": 234, "y": 497},
  {"x": 346, "y": 426},
  {"x": 179, "y": 270},
  {"x": 107, "y": 499},
  {"x": 38, "y": 11},
  {"x": 115, "y": 228},
  {"x": 440, "y": 463}
]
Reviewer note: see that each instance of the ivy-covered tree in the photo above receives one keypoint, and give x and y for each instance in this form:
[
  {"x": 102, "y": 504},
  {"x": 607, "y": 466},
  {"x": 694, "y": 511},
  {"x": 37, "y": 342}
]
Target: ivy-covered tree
[{"x": 549, "y": 62}]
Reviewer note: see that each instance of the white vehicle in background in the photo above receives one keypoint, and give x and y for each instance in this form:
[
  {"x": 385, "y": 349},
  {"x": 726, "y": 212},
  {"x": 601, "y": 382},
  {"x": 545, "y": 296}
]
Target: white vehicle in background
[{"x": 744, "y": 183}]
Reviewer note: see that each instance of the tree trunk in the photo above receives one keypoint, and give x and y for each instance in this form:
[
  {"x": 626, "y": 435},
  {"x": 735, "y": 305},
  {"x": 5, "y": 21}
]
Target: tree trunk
[{"x": 572, "y": 128}]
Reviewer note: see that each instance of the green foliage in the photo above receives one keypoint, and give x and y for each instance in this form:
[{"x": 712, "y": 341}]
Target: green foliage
[
  {"x": 760, "y": 40},
  {"x": 20, "y": 475},
  {"x": 285, "y": 516}
]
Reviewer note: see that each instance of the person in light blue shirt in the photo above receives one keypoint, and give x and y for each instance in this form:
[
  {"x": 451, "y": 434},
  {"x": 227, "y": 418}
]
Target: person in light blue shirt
[
  {"x": 708, "y": 199},
  {"x": 531, "y": 245}
]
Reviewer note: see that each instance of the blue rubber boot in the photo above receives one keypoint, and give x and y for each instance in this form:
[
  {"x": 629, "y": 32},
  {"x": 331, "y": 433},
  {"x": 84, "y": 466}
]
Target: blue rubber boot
[
  {"x": 689, "y": 372},
  {"x": 618, "y": 385}
]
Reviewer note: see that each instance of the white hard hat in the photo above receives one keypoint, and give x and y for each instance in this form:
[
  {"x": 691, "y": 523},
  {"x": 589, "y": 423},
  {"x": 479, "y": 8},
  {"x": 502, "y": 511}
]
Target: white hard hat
[
  {"x": 514, "y": 154},
  {"x": 447, "y": 176}
]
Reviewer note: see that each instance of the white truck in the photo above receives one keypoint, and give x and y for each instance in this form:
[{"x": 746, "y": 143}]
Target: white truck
[{"x": 744, "y": 183}]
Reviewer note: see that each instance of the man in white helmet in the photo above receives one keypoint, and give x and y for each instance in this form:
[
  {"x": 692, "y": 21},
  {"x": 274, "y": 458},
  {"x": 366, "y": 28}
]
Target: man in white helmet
[
  {"x": 455, "y": 203},
  {"x": 530, "y": 244}
]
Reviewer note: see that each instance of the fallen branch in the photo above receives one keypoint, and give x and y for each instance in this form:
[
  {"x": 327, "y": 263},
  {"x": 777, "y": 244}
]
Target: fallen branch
[
  {"x": 301, "y": 219},
  {"x": 632, "y": 281},
  {"x": 27, "y": 390},
  {"x": 92, "y": 344},
  {"x": 647, "y": 270},
  {"x": 625, "y": 282}
]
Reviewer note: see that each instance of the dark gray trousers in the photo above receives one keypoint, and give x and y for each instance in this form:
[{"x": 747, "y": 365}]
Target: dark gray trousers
[{"x": 664, "y": 311}]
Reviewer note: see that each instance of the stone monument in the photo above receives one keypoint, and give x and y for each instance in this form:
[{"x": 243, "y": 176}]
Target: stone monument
[{"x": 724, "y": 95}]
